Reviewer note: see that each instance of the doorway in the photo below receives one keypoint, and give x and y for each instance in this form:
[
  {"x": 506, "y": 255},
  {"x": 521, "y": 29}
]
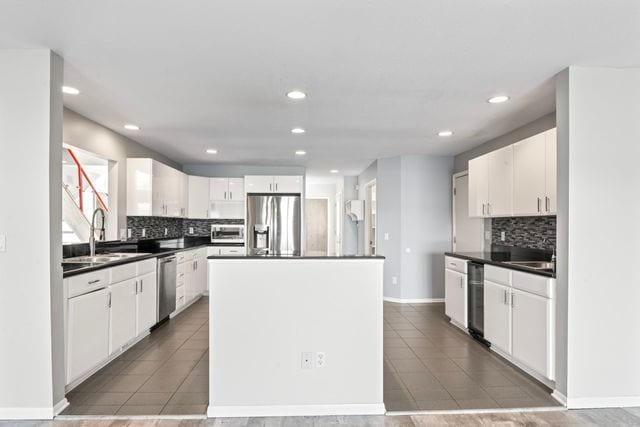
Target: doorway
[
  {"x": 317, "y": 226},
  {"x": 468, "y": 233},
  {"x": 370, "y": 219}
]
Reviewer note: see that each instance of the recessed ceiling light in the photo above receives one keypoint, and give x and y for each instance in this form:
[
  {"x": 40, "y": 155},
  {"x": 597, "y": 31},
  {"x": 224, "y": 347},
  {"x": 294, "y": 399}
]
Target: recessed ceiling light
[
  {"x": 300, "y": 152},
  {"x": 70, "y": 90},
  {"x": 334, "y": 171},
  {"x": 297, "y": 130},
  {"x": 296, "y": 94},
  {"x": 131, "y": 127},
  {"x": 445, "y": 133},
  {"x": 498, "y": 99},
  {"x": 212, "y": 151}
]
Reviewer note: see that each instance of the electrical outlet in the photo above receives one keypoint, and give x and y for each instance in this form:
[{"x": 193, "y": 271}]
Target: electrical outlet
[
  {"x": 3, "y": 242},
  {"x": 307, "y": 360},
  {"x": 144, "y": 232},
  {"x": 386, "y": 236},
  {"x": 408, "y": 250},
  {"x": 320, "y": 359},
  {"x": 190, "y": 230},
  {"x": 166, "y": 231},
  {"x": 128, "y": 233},
  {"x": 502, "y": 236},
  {"x": 394, "y": 280}
]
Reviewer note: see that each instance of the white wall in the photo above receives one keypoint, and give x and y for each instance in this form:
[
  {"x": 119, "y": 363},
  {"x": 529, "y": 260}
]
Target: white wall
[
  {"x": 239, "y": 171},
  {"x": 88, "y": 135},
  {"x": 315, "y": 305},
  {"x": 598, "y": 228},
  {"x": 32, "y": 351}
]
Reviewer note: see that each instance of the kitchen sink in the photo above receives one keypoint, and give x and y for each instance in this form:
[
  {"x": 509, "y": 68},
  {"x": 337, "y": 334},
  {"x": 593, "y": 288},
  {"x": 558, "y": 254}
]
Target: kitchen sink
[
  {"x": 102, "y": 258},
  {"x": 536, "y": 265}
]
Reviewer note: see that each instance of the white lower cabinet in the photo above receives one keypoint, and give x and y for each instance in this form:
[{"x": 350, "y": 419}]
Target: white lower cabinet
[
  {"x": 532, "y": 331},
  {"x": 455, "y": 296},
  {"x": 191, "y": 280},
  {"x": 87, "y": 333},
  {"x": 122, "y": 322},
  {"x": 497, "y": 316},
  {"x": 146, "y": 298}
]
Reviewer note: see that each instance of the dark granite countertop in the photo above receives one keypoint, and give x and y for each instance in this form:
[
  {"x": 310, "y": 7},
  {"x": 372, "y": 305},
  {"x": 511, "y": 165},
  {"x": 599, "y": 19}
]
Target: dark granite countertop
[
  {"x": 290, "y": 257},
  {"x": 500, "y": 259}
]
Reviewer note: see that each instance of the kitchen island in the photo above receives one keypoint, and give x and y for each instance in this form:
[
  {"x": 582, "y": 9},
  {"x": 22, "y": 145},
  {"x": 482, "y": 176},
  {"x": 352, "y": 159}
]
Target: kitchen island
[{"x": 295, "y": 336}]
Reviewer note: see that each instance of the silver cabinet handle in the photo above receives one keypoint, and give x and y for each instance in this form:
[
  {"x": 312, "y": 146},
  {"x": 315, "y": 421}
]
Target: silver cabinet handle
[
  {"x": 230, "y": 195},
  {"x": 539, "y": 201},
  {"x": 276, "y": 186},
  {"x": 109, "y": 303},
  {"x": 136, "y": 287},
  {"x": 141, "y": 286},
  {"x": 270, "y": 187},
  {"x": 483, "y": 209},
  {"x": 547, "y": 203},
  {"x": 513, "y": 300},
  {"x": 489, "y": 208},
  {"x": 92, "y": 282},
  {"x": 225, "y": 195}
]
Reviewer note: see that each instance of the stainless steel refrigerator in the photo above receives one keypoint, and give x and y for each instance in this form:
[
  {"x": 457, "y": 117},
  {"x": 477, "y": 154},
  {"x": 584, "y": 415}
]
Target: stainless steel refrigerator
[{"x": 274, "y": 224}]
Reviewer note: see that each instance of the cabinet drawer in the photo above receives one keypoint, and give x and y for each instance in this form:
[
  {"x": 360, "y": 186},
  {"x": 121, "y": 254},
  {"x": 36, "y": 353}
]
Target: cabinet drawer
[
  {"x": 123, "y": 272},
  {"x": 533, "y": 283},
  {"x": 213, "y": 250},
  {"x": 180, "y": 256},
  {"x": 456, "y": 264},
  {"x": 147, "y": 266},
  {"x": 232, "y": 250},
  {"x": 88, "y": 282},
  {"x": 501, "y": 276},
  {"x": 201, "y": 253},
  {"x": 180, "y": 296}
]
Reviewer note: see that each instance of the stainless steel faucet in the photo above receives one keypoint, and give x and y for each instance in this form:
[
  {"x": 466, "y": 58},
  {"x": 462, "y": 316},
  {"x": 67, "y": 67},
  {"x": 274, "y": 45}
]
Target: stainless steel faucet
[{"x": 92, "y": 233}]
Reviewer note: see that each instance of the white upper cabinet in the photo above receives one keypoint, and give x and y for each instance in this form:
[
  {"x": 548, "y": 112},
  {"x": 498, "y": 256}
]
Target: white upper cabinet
[
  {"x": 227, "y": 189},
  {"x": 155, "y": 189},
  {"x": 529, "y": 175},
  {"x": 198, "y": 200},
  {"x": 501, "y": 182},
  {"x": 478, "y": 186},
  {"x": 273, "y": 184},
  {"x": 519, "y": 179},
  {"x": 551, "y": 171}
]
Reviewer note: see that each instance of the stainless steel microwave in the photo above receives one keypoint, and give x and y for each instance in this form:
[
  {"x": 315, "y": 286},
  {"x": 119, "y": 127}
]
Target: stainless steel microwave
[{"x": 227, "y": 233}]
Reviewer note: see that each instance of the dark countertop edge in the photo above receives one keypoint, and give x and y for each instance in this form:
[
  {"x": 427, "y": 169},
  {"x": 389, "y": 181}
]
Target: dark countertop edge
[
  {"x": 501, "y": 264},
  {"x": 235, "y": 245},
  {"x": 286, "y": 257},
  {"x": 84, "y": 268}
]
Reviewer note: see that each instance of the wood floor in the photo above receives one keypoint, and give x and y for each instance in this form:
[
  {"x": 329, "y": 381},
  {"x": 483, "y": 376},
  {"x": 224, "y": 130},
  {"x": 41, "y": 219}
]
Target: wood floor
[{"x": 593, "y": 417}]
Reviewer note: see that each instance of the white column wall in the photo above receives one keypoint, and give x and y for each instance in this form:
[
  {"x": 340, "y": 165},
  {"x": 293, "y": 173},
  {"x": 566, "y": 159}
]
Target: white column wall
[
  {"x": 31, "y": 328},
  {"x": 598, "y": 229}
]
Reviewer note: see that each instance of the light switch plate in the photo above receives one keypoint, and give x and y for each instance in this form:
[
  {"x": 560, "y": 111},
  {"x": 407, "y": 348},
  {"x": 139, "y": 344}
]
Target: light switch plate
[
  {"x": 3, "y": 242},
  {"x": 190, "y": 230},
  {"x": 386, "y": 236},
  {"x": 144, "y": 232},
  {"x": 502, "y": 236}
]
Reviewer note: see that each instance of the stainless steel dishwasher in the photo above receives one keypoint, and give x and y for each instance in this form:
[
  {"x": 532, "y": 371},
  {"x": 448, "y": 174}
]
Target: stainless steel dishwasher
[{"x": 166, "y": 287}]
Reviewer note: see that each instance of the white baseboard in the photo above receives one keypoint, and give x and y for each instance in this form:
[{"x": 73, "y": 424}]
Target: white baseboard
[
  {"x": 602, "y": 402},
  {"x": 295, "y": 410},
  {"x": 26, "y": 413},
  {"x": 413, "y": 300},
  {"x": 561, "y": 398},
  {"x": 60, "y": 406},
  {"x": 544, "y": 380}
]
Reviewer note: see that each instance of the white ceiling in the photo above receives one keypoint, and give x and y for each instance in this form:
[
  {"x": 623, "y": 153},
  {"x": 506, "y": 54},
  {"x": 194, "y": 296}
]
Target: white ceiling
[{"x": 383, "y": 77}]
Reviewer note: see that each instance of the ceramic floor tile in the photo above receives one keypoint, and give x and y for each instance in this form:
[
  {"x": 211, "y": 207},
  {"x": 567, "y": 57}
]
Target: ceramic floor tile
[
  {"x": 182, "y": 399},
  {"x": 149, "y": 399},
  {"x": 125, "y": 383},
  {"x": 140, "y": 410}
]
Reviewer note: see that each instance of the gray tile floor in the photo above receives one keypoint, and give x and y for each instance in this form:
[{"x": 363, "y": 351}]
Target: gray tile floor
[
  {"x": 165, "y": 373},
  {"x": 431, "y": 365}
]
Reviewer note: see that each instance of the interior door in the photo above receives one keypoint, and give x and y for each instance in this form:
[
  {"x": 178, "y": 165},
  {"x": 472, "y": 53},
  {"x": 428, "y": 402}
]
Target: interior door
[
  {"x": 316, "y": 226},
  {"x": 469, "y": 232},
  {"x": 87, "y": 332},
  {"x": 122, "y": 319},
  {"x": 497, "y": 316},
  {"x": 146, "y": 312}
]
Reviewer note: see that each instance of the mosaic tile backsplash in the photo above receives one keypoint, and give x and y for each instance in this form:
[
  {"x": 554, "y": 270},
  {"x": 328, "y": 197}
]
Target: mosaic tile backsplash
[
  {"x": 155, "y": 226},
  {"x": 536, "y": 232}
]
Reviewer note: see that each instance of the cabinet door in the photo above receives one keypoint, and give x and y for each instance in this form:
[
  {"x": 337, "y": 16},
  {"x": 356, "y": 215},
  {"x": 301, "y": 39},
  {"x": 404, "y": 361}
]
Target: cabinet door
[
  {"x": 497, "y": 316},
  {"x": 140, "y": 197},
  {"x": 87, "y": 333},
  {"x": 478, "y": 186},
  {"x": 146, "y": 310},
  {"x": 258, "y": 184},
  {"x": 551, "y": 171},
  {"x": 219, "y": 188},
  {"x": 455, "y": 296},
  {"x": 184, "y": 194},
  {"x": 122, "y": 322},
  {"x": 236, "y": 189},
  {"x": 174, "y": 192},
  {"x": 198, "y": 199},
  {"x": 189, "y": 283},
  {"x": 529, "y": 176},
  {"x": 501, "y": 182},
  {"x": 159, "y": 184},
  {"x": 200, "y": 275},
  {"x": 531, "y": 331},
  {"x": 287, "y": 184}
]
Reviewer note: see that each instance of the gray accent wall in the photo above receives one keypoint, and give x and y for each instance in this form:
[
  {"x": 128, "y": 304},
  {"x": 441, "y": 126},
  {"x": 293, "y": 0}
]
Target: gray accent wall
[
  {"x": 239, "y": 171},
  {"x": 88, "y": 135},
  {"x": 537, "y": 126},
  {"x": 389, "y": 207}
]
